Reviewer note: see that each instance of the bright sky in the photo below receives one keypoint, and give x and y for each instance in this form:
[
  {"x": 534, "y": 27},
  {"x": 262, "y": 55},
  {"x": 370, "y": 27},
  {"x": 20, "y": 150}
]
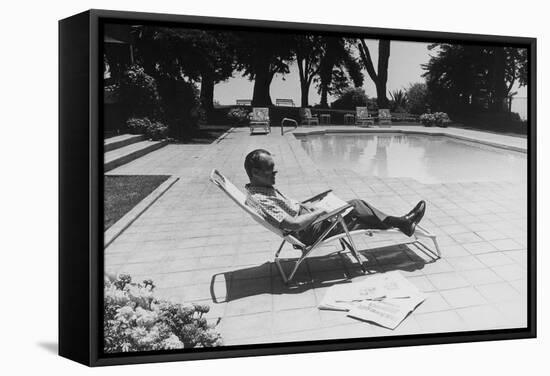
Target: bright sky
[{"x": 404, "y": 69}]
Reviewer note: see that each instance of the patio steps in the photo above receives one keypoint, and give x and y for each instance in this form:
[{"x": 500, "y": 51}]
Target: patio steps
[
  {"x": 126, "y": 148},
  {"x": 116, "y": 142}
]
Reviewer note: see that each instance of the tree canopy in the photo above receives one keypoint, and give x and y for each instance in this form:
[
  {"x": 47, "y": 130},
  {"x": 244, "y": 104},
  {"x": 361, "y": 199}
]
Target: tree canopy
[{"x": 474, "y": 78}]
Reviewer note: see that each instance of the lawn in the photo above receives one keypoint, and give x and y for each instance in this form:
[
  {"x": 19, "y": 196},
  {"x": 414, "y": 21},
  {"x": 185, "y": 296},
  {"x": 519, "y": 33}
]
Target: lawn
[{"x": 122, "y": 193}]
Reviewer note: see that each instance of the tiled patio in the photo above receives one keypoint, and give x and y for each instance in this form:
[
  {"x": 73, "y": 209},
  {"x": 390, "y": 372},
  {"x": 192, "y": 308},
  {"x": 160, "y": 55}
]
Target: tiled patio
[{"x": 198, "y": 246}]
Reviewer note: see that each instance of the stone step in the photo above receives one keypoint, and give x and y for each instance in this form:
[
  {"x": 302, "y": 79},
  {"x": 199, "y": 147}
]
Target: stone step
[
  {"x": 122, "y": 140},
  {"x": 128, "y": 153}
]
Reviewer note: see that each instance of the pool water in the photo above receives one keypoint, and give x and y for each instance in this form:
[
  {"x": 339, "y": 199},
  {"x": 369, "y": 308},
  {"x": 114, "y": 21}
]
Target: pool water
[{"x": 428, "y": 159}]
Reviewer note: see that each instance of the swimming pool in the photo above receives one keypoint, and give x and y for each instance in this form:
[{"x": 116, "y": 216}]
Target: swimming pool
[{"x": 428, "y": 159}]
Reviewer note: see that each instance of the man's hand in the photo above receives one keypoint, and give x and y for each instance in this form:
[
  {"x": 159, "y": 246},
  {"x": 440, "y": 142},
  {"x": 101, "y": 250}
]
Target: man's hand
[{"x": 302, "y": 221}]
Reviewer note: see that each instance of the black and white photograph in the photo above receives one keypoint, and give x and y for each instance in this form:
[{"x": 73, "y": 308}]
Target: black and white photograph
[{"x": 284, "y": 186}]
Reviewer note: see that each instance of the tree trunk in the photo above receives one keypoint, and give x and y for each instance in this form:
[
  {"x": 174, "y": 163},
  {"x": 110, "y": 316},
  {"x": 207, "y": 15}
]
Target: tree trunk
[
  {"x": 499, "y": 81},
  {"x": 305, "y": 94},
  {"x": 207, "y": 93},
  {"x": 260, "y": 96},
  {"x": 379, "y": 78},
  {"x": 383, "y": 59}
]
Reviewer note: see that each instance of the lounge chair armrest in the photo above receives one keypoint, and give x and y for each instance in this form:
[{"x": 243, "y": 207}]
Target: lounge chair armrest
[
  {"x": 317, "y": 197},
  {"x": 332, "y": 214}
]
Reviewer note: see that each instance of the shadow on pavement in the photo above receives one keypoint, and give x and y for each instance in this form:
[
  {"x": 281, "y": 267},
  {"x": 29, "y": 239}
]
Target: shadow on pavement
[{"x": 320, "y": 271}]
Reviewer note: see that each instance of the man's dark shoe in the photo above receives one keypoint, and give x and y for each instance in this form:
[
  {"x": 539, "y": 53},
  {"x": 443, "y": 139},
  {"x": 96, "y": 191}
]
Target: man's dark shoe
[{"x": 412, "y": 219}]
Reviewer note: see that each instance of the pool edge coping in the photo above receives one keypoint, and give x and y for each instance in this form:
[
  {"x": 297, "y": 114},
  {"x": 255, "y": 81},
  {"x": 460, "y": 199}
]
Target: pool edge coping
[{"x": 308, "y": 132}]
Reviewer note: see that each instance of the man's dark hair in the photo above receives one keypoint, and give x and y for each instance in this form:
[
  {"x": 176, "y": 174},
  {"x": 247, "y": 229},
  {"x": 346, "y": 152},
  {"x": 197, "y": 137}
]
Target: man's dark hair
[{"x": 253, "y": 160}]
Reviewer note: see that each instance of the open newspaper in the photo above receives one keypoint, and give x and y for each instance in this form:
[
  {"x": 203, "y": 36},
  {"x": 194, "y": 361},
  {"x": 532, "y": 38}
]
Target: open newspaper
[
  {"x": 331, "y": 203},
  {"x": 385, "y": 299}
]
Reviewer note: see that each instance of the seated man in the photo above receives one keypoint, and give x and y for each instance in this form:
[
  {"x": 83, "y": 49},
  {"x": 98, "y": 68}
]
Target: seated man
[{"x": 292, "y": 217}]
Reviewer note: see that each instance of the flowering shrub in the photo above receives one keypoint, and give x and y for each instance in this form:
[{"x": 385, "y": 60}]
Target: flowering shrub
[
  {"x": 138, "y": 92},
  {"x": 238, "y": 115},
  {"x": 152, "y": 129},
  {"x": 439, "y": 119},
  {"x": 134, "y": 320}
]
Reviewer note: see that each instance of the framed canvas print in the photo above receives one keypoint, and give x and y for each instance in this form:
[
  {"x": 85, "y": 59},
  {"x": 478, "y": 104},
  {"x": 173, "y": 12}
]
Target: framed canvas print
[{"x": 235, "y": 187}]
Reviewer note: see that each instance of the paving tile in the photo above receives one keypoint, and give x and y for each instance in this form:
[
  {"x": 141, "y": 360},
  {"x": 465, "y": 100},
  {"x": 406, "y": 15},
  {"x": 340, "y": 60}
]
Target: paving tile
[
  {"x": 422, "y": 283},
  {"x": 304, "y": 299},
  {"x": 480, "y": 276},
  {"x": 447, "y": 281},
  {"x": 466, "y": 237},
  {"x": 495, "y": 259},
  {"x": 510, "y": 272},
  {"x": 506, "y": 245},
  {"x": 515, "y": 311},
  {"x": 440, "y": 322},
  {"x": 434, "y": 302},
  {"x": 439, "y": 266},
  {"x": 454, "y": 251},
  {"x": 484, "y": 317},
  {"x": 491, "y": 235},
  {"x": 465, "y": 263},
  {"x": 250, "y": 304},
  {"x": 498, "y": 292},
  {"x": 479, "y": 247},
  {"x": 296, "y": 320},
  {"x": 237, "y": 327},
  {"x": 463, "y": 297}
]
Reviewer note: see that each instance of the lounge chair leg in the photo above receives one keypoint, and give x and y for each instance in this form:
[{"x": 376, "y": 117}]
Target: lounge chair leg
[{"x": 351, "y": 245}]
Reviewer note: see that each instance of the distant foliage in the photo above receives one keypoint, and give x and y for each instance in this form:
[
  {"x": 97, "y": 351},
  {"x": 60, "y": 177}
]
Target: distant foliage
[
  {"x": 398, "y": 101},
  {"x": 351, "y": 98},
  {"x": 417, "y": 98},
  {"x": 154, "y": 130},
  {"x": 134, "y": 320},
  {"x": 238, "y": 115},
  {"x": 439, "y": 119}
]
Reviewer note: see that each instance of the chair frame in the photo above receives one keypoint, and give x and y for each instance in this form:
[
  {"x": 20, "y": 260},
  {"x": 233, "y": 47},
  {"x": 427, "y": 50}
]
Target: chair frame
[
  {"x": 345, "y": 238},
  {"x": 308, "y": 120},
  {"x": 362, "y": 120},
  {"x": 263, "y": 124},
  {"x": 384, "y": 120}
]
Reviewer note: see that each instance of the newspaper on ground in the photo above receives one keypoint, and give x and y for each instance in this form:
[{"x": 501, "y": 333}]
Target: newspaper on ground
[{"x": 385, "y": 299}]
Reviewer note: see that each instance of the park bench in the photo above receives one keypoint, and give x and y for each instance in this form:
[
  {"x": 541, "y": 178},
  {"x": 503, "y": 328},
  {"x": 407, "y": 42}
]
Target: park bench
[{"x": 284, "y": 102}]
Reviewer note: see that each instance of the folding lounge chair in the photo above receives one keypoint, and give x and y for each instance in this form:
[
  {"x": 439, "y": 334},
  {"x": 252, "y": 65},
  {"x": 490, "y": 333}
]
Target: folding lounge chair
[
  {"x": 345, "y": 238},
  {"x": 363, "y": 118},
  {"x": 384, "y": 117},
  {"x": 259, "y": 118},
  {"x": 307, "y": 118}
]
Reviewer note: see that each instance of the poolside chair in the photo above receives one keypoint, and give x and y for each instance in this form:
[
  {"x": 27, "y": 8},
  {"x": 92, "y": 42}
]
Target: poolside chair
[
  {"x": 345, "y": 238},
  {"x": 363, "y": 118},
  {"x": 384, "y": 117},
  {"x": 307, "y": 118},
  {"x": 259, "y": 118}
]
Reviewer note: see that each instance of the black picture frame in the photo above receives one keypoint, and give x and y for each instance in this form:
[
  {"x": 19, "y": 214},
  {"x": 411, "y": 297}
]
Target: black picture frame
[{"x": 81, "y": 195}]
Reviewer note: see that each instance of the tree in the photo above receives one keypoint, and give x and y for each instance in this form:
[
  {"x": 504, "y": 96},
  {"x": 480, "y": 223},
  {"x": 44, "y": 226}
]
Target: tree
[
  {"x": 351, "y": 98},
  {"x": 260, "y": 56},
  {"x": 204, "y": 56},
  {"x": 379, "y": 78},
  {"x": 467, "y": 77},
  {"x": 417, "y": 98},
  {"x": 336, "y": 61},
  {"x": 307, "y": 49}
]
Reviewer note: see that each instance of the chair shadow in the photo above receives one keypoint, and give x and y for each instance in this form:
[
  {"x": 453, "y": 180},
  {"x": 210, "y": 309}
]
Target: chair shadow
[{"x": 319, "y": 271}]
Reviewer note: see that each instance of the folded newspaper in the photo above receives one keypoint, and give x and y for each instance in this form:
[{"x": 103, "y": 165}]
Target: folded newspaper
[
  {"x": 385, "y": 299},
  {"x": 330, "y": 203}
]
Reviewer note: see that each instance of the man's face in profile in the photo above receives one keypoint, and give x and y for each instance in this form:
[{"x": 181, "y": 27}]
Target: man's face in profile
[{"x": 265, "y": 173}]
